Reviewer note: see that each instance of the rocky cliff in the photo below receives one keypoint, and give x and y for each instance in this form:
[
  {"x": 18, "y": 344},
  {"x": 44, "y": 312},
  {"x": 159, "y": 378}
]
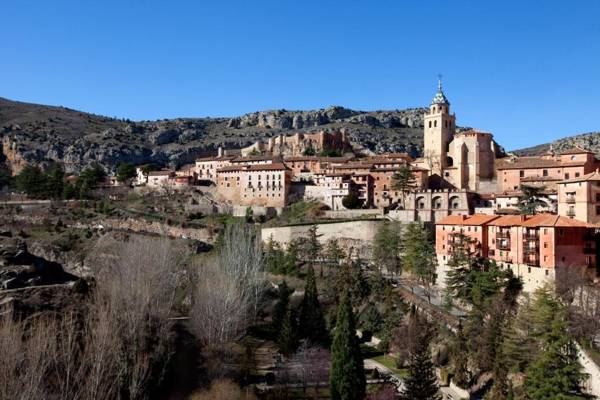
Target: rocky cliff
[
  {"x": 588, "y": 141},
  {"x": 32, "y": 133}
]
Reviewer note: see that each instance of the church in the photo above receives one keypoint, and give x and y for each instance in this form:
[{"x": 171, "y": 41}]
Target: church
[{"x": 460, "y": 159}]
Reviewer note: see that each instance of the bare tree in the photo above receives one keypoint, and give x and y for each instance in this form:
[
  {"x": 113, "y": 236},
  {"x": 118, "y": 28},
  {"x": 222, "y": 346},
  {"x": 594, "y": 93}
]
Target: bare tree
[
  {"x": 229, "y": 288},
  {"x": 24, "y": 363}
]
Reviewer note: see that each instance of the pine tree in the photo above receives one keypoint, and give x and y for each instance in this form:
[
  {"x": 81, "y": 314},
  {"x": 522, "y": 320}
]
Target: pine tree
[
  {"x": 287, "y": 340},
  {"x": 421, "y": 382},
  {"x": 532, "y": 199},
  {"x": 556, "y": 372},
  {"x": 312, "y": 322},
  {"x": 387, "y": 247},
  {"x": 419, "y": 253},
  {"x": 347, "y": 376}
]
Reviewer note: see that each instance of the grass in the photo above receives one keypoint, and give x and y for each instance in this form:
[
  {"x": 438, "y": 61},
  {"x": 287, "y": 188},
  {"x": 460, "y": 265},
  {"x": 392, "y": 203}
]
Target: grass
[{"x": 383, "y": 359}]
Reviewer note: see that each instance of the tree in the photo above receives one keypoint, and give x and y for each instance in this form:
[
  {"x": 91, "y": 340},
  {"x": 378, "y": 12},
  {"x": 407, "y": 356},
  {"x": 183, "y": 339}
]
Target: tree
[
  {"x": 556, "y": 372},
  {"x": 125, "y": 172},
  {"x": 387, "y": 248},
  {"x": 460, "y": 359},
  {"x": 347, "y": 376},
  {"x": 335, "y": 254},
  {"x": 351, "y": 201},
  {"x": 531, "y": 199},
  {"x": 312, "y": 322},
  {"x": 274, "y": 257},
  {"x": 287, "y": 340},
  {"x": 279, "y": 312},
  {"x": 404, "y": 181},
  {"x": 421, "y": 382},
  {"x": 55, "y": 181},
  {"x": 31, "y": 181},
  {"x": 419, "y": 254}
]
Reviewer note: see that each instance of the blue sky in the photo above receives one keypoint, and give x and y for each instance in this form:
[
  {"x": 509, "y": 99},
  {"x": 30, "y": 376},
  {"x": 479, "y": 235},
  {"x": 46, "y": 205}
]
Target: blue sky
[{"x": 528, "y": 71}]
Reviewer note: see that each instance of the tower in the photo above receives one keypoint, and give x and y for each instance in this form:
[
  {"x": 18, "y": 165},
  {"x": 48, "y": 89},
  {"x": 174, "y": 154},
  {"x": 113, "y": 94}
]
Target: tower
[{"x": 439, "y": 126}]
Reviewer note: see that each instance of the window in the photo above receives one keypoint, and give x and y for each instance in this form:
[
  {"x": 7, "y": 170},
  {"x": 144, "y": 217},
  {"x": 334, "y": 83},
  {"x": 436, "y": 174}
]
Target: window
[
  {"x": 545, "y": 172},
  {"x": 597, "y": 197},
  {"x": 430, "y": 124},
  {"x": 576, "y": 174},
  {"x": 521, "y": 173},
  {"x": 545, "y": 231},
  {"x": 567, "y": 175},
  {"x": 545, "y": 245},
  {"x": 545, "y": 258},
  {"x": 597, "y": 210},
  {"x": 435, "y": 123}
]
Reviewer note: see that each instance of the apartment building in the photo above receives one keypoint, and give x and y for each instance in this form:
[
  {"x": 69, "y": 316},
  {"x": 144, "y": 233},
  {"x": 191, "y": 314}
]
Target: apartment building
[
  {"x": 579, "y": 198},
  {"x": 532, "y": 246}
]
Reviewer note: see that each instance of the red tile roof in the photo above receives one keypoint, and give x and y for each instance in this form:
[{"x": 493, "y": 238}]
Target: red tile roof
[
  {"x": 475, "y": 219},
  {"x": 535, "y": 162}
]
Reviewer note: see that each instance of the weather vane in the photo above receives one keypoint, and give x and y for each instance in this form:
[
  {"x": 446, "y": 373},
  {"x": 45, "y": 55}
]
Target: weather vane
[{"x": 439, "y": 81}]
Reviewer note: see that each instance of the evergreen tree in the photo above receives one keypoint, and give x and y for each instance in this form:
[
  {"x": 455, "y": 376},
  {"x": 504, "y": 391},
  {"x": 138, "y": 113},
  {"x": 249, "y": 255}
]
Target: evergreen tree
[
  {"x": 532, "y": 198},
  {"x": 287, "y": 340},
  {"x": 31, "y": 181},
  {"x": 373, "y": 321},
  {"x": 312, "y": 322},
  {"x": 55, "y": 182},
  {"x": 404, "y": 181},
  {"x": 347, "y": 376},
  {"x": 125, "y": 172},
  {"x": 460, "y": 359},
  {"x": 279, "y": 312},
  {"x": 421, "y": 382},
  {"x": 274, "y": 257},
  {"x": 335, "y": 253},
  {"x": 556, "y": 372},
  {"x": 419, "y": 253}
]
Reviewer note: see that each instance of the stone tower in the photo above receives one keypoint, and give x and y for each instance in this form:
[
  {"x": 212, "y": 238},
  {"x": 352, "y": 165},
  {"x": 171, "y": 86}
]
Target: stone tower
[{"x": 439, "y": 126}]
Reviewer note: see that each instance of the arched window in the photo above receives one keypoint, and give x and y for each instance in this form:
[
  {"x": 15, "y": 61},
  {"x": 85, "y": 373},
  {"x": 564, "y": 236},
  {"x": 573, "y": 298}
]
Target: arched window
[
  {"x": 430, "y": 124},
  {"x": 435, "y": 123}
]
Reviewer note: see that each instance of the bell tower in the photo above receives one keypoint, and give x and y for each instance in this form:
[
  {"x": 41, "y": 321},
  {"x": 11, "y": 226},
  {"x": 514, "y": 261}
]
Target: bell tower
[{"x": 439, "y": 127}]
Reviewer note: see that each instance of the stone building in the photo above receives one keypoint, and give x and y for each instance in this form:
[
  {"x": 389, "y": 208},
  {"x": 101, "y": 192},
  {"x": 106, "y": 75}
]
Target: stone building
[
  {"x": 465, "y": 160},
  {"x": 433, "y": 205},
  {"x": 264, "y": 185}
]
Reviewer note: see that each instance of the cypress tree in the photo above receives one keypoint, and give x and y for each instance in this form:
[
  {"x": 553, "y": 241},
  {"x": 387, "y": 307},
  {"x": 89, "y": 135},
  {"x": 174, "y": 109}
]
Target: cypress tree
[
  {"x": 347, "y": 376},
  {"x": 460, "y": 360},
  {"x": 312, "y": 322},
  {"x": 280, "y": 310},
  {"x": 421, "y": 383},
  {"x": 287, "y": 341}
]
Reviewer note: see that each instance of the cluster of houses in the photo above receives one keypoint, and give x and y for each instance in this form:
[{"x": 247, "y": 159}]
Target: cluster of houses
[{"x": 463, "y": 184}]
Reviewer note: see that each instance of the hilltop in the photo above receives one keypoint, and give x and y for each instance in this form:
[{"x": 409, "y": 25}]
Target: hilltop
[
  {"x": 588, "y": 141},
  {"x": 33, "y": 133}
]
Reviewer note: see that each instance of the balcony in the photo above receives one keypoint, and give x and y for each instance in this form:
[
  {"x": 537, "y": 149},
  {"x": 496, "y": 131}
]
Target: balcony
[
  {"x": 503, "y": 235},
  {"x": 570, "y": 199},
  {"x": 571, "y": 213},
  {"x": 534, "y": 262},
  {"x": 503, "y": 245},
  {"x": 531, "y": 235},
  {"x": 530, "y": 249}
]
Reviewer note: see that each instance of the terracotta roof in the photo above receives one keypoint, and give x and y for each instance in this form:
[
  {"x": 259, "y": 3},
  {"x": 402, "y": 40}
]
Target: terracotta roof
[
  {"x": 576, "y": 150},
  {"x": 508, "y": 220},
  {"x": 354, "y": 166},
  {"x": 535, "y": 162},
  {"x": 475, "y": 219},
  {"x": 301, "y": 158},
  {"x": 553, "y": 220},
  {"x": 593, "y": 176}
]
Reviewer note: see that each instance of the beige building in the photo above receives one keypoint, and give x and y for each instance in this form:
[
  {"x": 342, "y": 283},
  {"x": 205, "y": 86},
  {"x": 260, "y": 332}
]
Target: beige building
[
  {"x": 579, "y": 198},
  {"x": 433, "y": 205},
  {"x": 266, "y": 185},
  {"x": 465, "y": 160}
]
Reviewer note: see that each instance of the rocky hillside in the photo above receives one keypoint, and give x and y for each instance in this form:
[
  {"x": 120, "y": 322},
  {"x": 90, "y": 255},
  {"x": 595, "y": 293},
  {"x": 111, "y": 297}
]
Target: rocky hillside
[
  {"x": 589, "y": 141},
  {"x": 32, "y": 133}
]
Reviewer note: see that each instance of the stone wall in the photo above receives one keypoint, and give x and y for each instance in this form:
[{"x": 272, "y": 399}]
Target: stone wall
[
  {"x": 355, "y": 235},
  {"x": 350, "y": 214},
  {"x": 154, "y": 227}
]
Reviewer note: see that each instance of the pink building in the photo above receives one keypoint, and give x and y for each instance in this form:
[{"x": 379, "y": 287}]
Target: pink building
[{"x": 532, "y": 246}]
